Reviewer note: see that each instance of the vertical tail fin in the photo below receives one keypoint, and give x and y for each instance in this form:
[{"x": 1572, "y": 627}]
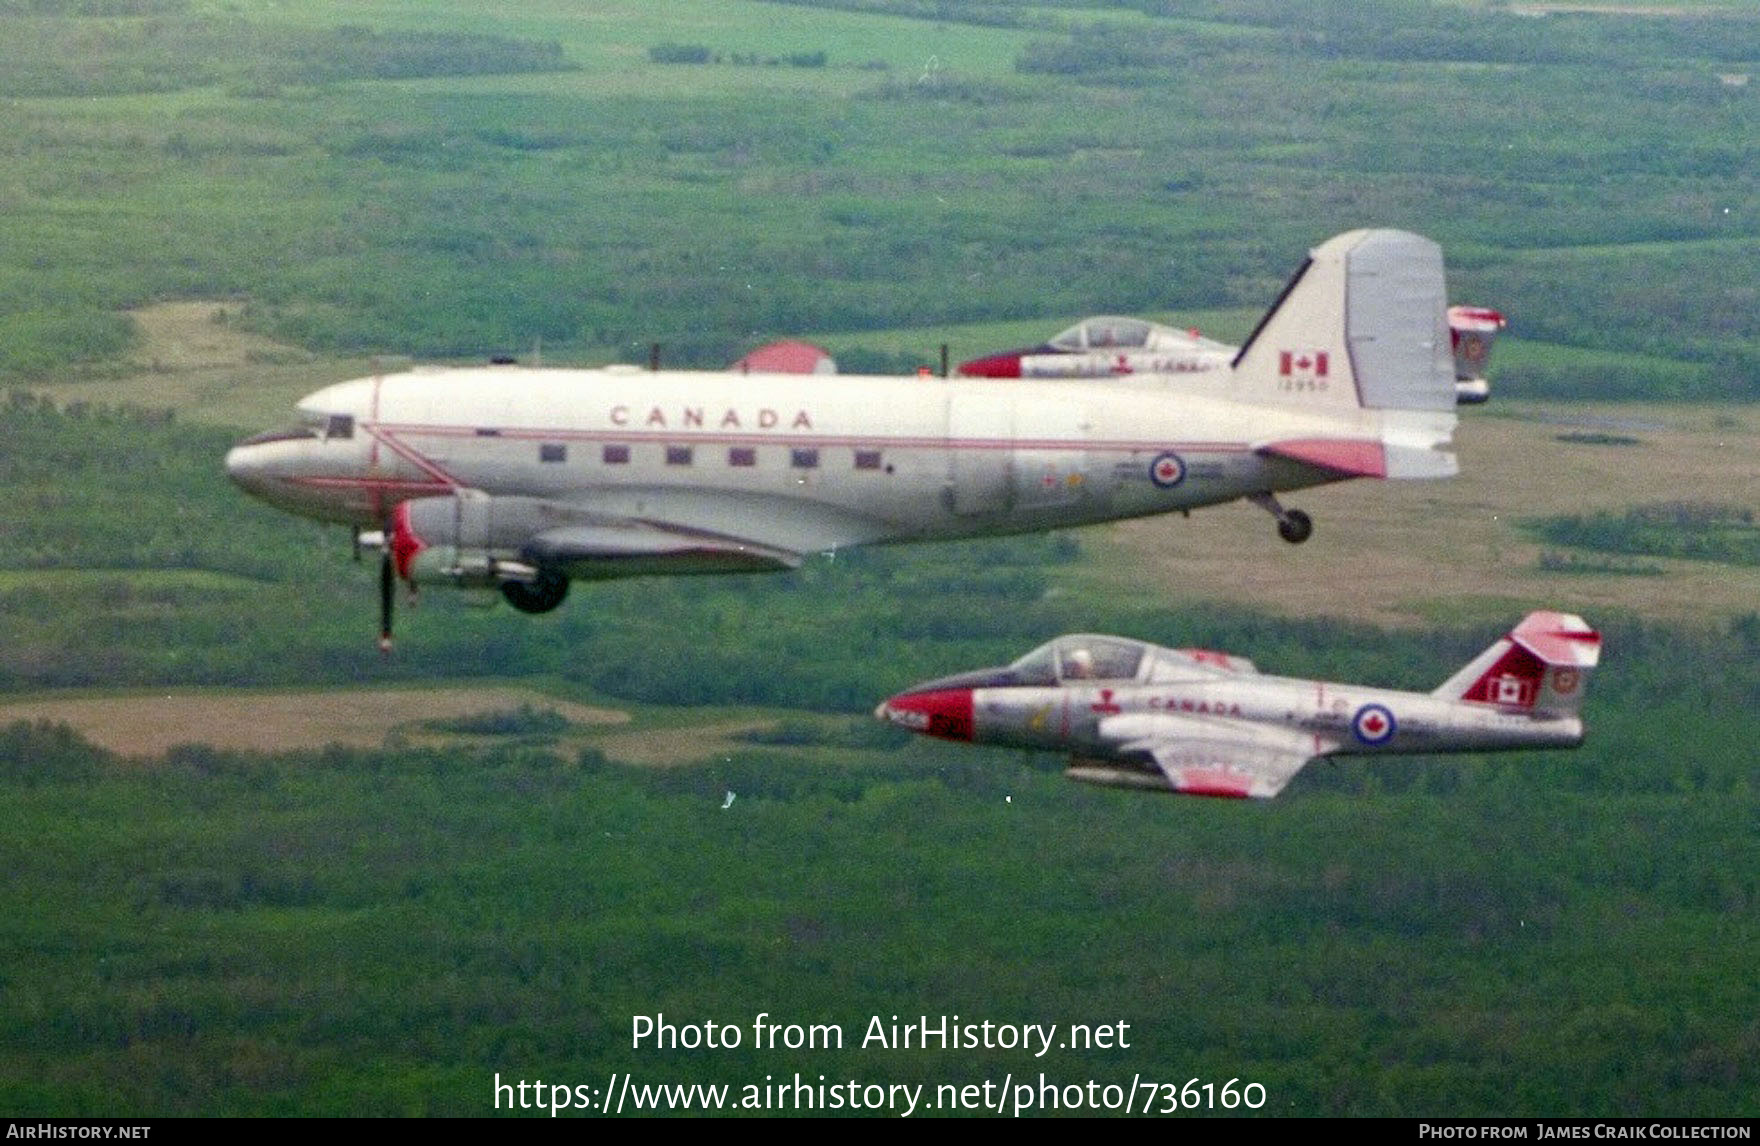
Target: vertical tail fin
[
  {"x": 1362, "y": 323},
  {"x": 1541, "y": 667},
  {"x": 1473, "y": 330},
  {"x": 1362, "y": 327}
]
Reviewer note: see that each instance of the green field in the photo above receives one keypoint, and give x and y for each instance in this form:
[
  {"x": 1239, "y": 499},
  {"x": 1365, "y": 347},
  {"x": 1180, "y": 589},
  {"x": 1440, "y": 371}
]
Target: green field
[
  {"x": 388, "y": 179},
  {"x": 279, "y": 874}
]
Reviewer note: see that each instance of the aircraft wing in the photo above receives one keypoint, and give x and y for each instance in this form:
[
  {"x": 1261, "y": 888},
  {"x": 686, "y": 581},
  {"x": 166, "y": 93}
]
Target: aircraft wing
[
  {"x": 630, "y": 548},
  {"x": 1209, "y": 757}
]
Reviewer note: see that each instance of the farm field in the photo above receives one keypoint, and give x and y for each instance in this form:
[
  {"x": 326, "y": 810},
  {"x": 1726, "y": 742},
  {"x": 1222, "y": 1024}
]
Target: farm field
[
  {"x": 1463, "y": 548},
  {"x": 275, "y": 721}
]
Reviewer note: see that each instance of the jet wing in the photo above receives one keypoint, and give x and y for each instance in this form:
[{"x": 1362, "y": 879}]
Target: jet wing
[{"x": 1209, "y": 757}]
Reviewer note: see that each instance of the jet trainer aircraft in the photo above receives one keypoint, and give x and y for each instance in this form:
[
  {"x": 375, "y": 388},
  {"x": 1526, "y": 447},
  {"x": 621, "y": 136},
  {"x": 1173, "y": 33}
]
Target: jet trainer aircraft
[
  {"x": 519, "y": 480},
  {"x": 1135, "y": 715},
  {"x": 1108, "y": 346}
]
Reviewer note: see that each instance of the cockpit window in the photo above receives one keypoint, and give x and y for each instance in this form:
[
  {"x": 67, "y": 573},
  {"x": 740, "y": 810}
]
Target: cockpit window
[
  {"x": 1104, "y": 334},
  {"x": 1098, "y": 658},
  {"x": 1038, "y": 667},
  {"x": 339, "y": 426}
]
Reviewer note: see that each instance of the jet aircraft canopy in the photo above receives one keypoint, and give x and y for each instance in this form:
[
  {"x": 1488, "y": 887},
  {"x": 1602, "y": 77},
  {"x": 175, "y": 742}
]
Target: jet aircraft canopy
[
  {"x": 1080, "y": 658},
  {"x": 1104, "y": 333},
  {"x": 1109, "y": 332},
  {"x": 1083, "y": 657}
]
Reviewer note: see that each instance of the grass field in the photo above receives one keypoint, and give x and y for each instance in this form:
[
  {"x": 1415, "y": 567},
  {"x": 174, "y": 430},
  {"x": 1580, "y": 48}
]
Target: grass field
[
  {"x": 1457, "y": 550},
  {"x": 147, "y": 726},
  {"x": 539, "y": 175}
]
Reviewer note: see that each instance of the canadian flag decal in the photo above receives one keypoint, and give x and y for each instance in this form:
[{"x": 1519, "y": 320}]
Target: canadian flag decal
[{"x": 1302, "y": 363}]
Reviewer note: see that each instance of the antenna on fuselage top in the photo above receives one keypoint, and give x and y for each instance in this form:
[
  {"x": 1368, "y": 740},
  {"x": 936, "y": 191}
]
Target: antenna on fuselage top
[{"x": 653, "y": 357}]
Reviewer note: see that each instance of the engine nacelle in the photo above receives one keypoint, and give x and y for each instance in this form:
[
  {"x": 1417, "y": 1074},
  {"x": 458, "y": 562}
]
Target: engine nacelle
[{"x": 471, "y": 540}]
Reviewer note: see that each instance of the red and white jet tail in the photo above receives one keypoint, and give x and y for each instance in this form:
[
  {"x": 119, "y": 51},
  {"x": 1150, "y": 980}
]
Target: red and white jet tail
[
  {"x": 1473, "y": 329},
  {"x": 1360, "y": 334},
  {"x": 1540, "y": 668}
]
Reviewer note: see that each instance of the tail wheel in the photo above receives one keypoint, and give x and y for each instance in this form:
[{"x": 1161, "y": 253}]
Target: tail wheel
[
  {"x": 539, "y": 595},
  {"x": 1295, "y": 527}
]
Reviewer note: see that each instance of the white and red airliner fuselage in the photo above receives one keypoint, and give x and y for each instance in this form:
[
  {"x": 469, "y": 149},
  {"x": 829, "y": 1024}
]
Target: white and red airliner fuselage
[
  {"x": 798, "y": 464},
  {"x": 523, "y": 479}
]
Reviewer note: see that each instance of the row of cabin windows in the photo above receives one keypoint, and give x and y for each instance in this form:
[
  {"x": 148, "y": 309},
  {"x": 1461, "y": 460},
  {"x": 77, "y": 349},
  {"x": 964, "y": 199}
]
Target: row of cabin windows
[{"x": 800, "y": 458}]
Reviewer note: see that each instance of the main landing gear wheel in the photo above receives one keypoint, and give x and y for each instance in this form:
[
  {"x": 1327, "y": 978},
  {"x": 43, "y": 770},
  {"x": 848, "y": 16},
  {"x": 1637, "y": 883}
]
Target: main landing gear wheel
[
  {"x": 539, "y": 595},
  {"x": 1293, "y": 525}
]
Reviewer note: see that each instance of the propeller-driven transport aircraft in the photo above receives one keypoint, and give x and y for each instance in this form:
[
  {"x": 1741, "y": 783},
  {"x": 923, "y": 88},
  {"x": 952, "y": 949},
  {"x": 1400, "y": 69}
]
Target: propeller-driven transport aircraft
[
  {"x": 1108, "y": 346},
  {"x": 522, "y": 479},
  {"x": 1136, "y": 715}
]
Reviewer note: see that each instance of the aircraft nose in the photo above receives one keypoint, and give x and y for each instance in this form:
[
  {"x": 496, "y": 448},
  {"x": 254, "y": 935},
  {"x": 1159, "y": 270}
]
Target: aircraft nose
[
  {"x": 942, "y": 712},
  {"x": 244, "y": 465}
]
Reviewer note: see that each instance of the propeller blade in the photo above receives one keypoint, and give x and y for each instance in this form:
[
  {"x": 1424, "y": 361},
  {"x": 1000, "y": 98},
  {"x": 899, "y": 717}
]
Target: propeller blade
[{"x": 387, "y": 594}]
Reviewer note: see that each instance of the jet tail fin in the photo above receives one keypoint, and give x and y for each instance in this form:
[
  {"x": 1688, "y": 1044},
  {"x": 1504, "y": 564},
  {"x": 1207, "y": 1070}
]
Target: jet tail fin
[
  {"x": 1540, "y": 668},
  {"x": 1362, "y": 327},
  {"x": 1473, "y": 330}
]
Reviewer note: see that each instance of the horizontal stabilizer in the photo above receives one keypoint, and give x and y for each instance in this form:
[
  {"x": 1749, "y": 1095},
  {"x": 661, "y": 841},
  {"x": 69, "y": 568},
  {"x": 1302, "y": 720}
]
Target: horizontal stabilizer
[
  {"x": 1342, "y": 456},
  {"x": 1559, "y": 639}
]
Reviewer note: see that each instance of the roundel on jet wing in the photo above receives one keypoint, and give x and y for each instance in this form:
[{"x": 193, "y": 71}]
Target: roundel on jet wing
[{"x": 1167, "y": 470}]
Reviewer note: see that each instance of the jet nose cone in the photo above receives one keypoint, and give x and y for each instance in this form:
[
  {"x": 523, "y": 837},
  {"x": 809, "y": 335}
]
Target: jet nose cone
[
  {"x": 942, "y": 712},
  {"x": 995, "y": 366}
]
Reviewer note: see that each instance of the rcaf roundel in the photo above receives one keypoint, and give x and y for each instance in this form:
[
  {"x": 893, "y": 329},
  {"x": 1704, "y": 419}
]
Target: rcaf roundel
[
  {"x": 1167, "y": 471},
  {"x": 1373, "y": 724},
  {"x": 1564, "y": 681}
]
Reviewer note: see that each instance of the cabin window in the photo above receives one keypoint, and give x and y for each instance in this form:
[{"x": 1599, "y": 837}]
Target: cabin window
[
  {"x": 804, "y": 459},
  {"x": 615, "y": 456},
  {"x": 678, "y": 455},
  {"x": 742, "y": 456},
  {"x": 867, "y": 459},
  {"x": 552, "y": 452}
]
